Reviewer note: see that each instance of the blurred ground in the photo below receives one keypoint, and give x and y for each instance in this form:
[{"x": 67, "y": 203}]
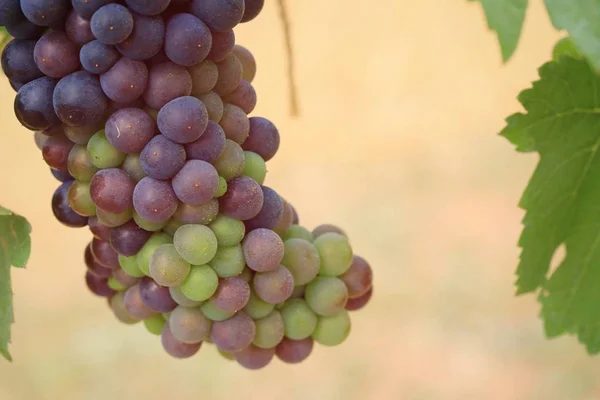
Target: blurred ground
[{"x": 401, "y": 104}]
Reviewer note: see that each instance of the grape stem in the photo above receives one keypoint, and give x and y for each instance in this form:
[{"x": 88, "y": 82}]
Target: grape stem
[{"x": 285, "y": 20}]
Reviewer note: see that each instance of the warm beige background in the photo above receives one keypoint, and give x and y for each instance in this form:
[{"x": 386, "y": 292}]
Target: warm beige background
[{"x": 402, "y": 102}]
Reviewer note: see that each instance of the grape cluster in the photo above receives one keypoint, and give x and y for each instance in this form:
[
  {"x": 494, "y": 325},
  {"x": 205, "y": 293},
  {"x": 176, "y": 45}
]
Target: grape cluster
[{"x": 140, "y": 109}]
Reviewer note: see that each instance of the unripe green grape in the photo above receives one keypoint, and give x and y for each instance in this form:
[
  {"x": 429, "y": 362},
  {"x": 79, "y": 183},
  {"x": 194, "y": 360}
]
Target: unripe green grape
[
  {"x": 326, "y": 295},
  {"x": 298, "y": 232},
  {"x": 112, "y": 220},
  {"x": 228, "y": 231},
  {"x": 255, "y": 167},
  {"x": 167, "y": 268},
  {"x": 133, "y": 167},
  {"x": 146, "y": 225},
  {"x": 257, "y": 308},
  {"x": 335, "y": 253},
  {"x": 155, "y": 324},
  {"x": 143, "y": 256},
  {"x": 215, "y": 314},
  {"x": 80, "y": 199},
  {"x": 298, "y": 318},
  {"x": 102, "y": 153},
  {"x": 115, "y": 284},
  {"x": 197, "y": 244},
  {"x": 171, "y": 227},
  {"x": 333, "y": 330},
  {"x": 80, "y": 164},
  {"x": 226, "y": 355},
  {"x": 229, "y": 261},
  {"x": 130, "y": 266},
  {"x": 222, "y": 188},
  {"x": 181, "y": 299},
  {"x": 302, "y": 259},
  {"x": 269, "y": 331},
  {"x": 200, "y": 284}
]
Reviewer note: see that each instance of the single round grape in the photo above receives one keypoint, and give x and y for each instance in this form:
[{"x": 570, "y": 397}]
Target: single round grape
[
  {"x": 117, "y": 303},
  {"x": 326, "y": 295},
  {"x": 222, "y": 189},
  {"x": 161, "y": 158},
  {"x": 183, "y": 120},
  {"x": 213, "y": 313},
  {"x": 33, "y": 104},
  {"x": 247, "y": 60},
  {"x": 202, "y": 214},
  {"x": 263, "y": 250},
  {"x": 155, "y": 324},
  {"x": 302, "y": 259},
  {"x": 80, "y": 134},
  {"x": 97, "y": 57},
  {"x": 148, "y": 7},
  {"x": 181, "y": 299},
  {"x": 156, "y": 297},
  {"x": 22, "y": 28},
  {"x": 335, "y": 252},
  {"x": 166, "y": 81},
  {"x": 230, "y": 75},
  {"x": 98, "y": 285},
  {"x": 200, "y": 284},
  {"x": 9, "y": 11},
  {"x": 61, "y": 176},
  {"x": 62, "y": 210},
  {"x": 270, "y": 213},
  {"x": 187, "y": 40},
  {"x": 145, "y": 253},
  {"x": 94, "y": 266},
  {"x": 243, "y": 200},
  {"x": 196, "y": 183},
  {"x": 129, "y": 238},
  {"x": 196, "y": 244},
  {"x": 228, "y": 261},
  {"x": 222, "y": 44},
  {"x": 219, "y": 15},
  {"x": 257, "y": 308},
  {"x": 105, "y": 254},
  {"x": 263, "y": 138},
  {"x": 189, "y": 325},
  {"x": 80, "y": 199},
  {"x": 133, "y": 166},
  {"x": 332, "y": 330},
  {"x": 98, "y": 229},
  {"x": 78, "y": 29},
  {"x": 154, "y": 200},
  {"x": 45, "y": 13},
  {"x": 299, "y": 319},
  {"x": 232, "y": 294},
  {"x": 358, "y": 278},
  {"x": 233, "y": 334},
  {"x": 327, "y": 228},
  {"x": 235, "y": 123},
  {"x": 254, "y": 358},
  {"x": 274, "y": 286},
  {"x": 87, "y": 8},
  {"x": 112, "y": 190},
  {"x": 176, "y": 348},
  {"x": 130, "y": 266},
  {"x": 112, "y": 220},
  {"x": 134, "y": 305},
  {"x": 204, "y": 77},
  {"x": 214, "y": 105},
  {"x": 228, "y": 231},
  {"x": 125, "y": 81},
  {"x": 146, "y": 38},
  {"x": 18, "y": 62},
  {"x": 244, "y": 96},
  {"x": 252, "y": 9},
  {"x": 298, "y": 232},
  {"x": 209, "y": 146},
  {"x": 79, "y": 100},
  {"x": 112, "y": 23},
  {"x": 269, "y": 331},
  {"x": 129, "y": 130},
  {"x": 56, "y": 152},
  {"x": 286, "y": 220},
  {"x": 148, "y": 225},
  {"x": 294, "y": 351},
  {"x": 359, "y": 302},
  {"x": 255, "y": 167}
]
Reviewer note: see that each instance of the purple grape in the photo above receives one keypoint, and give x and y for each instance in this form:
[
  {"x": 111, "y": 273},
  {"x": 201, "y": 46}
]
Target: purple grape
[
  {"x": 99, "y": 230},
  {"x": 97, "y": 57},
  {"x": 61, "y": 176},
  {"x": 252, "y": 9},
  {"x": 112, "y": 23},
  {"x": 294, "y": 351},
  {"x": 78, "y": 29},
  {"x": 79, "y": 100},
  {"x": 176, "y": 348},
  {"x": 244, "y": 96},
  {"x": 359, "y": 302},
  {"x": 162, "y": 158},
  {"x": 22, "y": 28},
  {"x": 209, "y": 146},
  {"x": 183, "y": 120},
  {"x": 134, "y": 304},
  {"x": 93, "y": 266},
  {"x": 97, "y": 285},
  {"x": 270, "y": 213},
  {"x": 275, "y": 286},
  {"x": 232, "y": 295},
  {"x": 129, "y": 129},
  {"x": 125, "y": 81},
  {"x": 254, "y": 358},
  {"x": 214, "y": 105},
  {"x": 129, "y": 238},
  {"x": 166, "y": 82},
  {"x": 33, "y": 104},
  {"x": 231, "y": 74},
  {"x": 124, "y": 278},
  {"x": 156, "y": 297},
  {"x": 233, "y": 334},
  {"x": 263, "y": 138},
  {"x": 10, "y": 10},
  {"x": 187, "y": 40},
  {"x": 55, "y": 55},
  {"x": 222, "y": 44},
  {"x": 243, "y": 200},
  {"x": 296, "y": 218},
  {"x": 112, "y": 190},
  {"x": 16, "y": 85},
  {"x": 263, "y": 250},
  {"x": 219, "y": 15},
  {"x": 204, "y": 77},
  {"x": 18, "y": 62},
  {"x": 45, "y": 13},
  {"x": 148, "y": 7},
  {"x": 235, "y": 123},
  {"x": 154, "y": 200},
  {"x": 146, "y": 39},
  {"x": 62, "y": 210},
  {"x": 56, "y": 152},
  {"x": 358, "y": 278},
  {"x": 105, "y": 254},
  {"x": 87, "y": 8},
  {"x": 202, "y": 214},
  {"x": 196, "y": 183},
  {"x": 188, "y": 324}
]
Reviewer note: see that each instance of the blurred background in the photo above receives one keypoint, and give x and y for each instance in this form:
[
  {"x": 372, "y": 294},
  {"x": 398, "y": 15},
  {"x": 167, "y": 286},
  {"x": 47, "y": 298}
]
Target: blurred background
[{"x": 401, "y": 103}]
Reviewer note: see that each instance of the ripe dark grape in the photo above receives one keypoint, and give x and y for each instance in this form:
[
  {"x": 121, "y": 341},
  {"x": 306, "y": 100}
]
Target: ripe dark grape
[
  {"x": 183, "y": 120},
  {"x": 232, "y": 294},
  {"x": 98, "y": 285},
  {"x": 247, "y": 60},
  {"x": 204, "y": 77},
  {"x": 187, "y": 40},
  {"x": 133, "y": 166},
  {"x": 148, "y": 7},
  {"x": 61, "y": 176},
  {"x": 117, "y": 304},
  {"x": 214, "y": 105},
  {"x": 56, "y": 55},
  {"x": 10, "y": 10},
  {"x": 156, "y": 297},
  {"x": 176, "y": 348},
  {"x": 45, "y": 12},
  {"x": 285, "y": 222},
  {"x": 196, "y": 183},
  {"x": 254, "y": 357},
  {"x": 244, "y": 96},
  {"x": 269, "y": 331},
  {"x": 166, "y": 81},
  {"x": 263, "y": 250},
  {"x": 270, "y": 213},
  {"x": 78, "y": 29},
  {"x": 105, "y": 254},
  {"x": 204, "y": 213},
  {"x": 263, "y": 138},
  {"x": 129, "y": 130},
  {"x": 294, "y": 351},
  {"x": 327, "y": 296},
  {"x": 62, "y": 210},
  {"x": 79, "y": 100},
  {"x": 93, "y": 266},
  {"x": 162, "y": 158},
  {"x": 22, "y": 28},
  {"x": 222, "y": 44},
  {"x": 233, "y": 334},
  {"x": 252, "y": 9},
  {"x": 80, "y": 199},
  {"x": 129, "y": 238},
  {"x": 359, "y": 302},
  {"x": 146, "y": 39},
  {"x": 230, "y": 75},
  {"x": 97, "y": 57},
  {"x": 219, "y": 15},
  {"x": 235, "y": 123},
  {"x": 189, "y": 325},
  {"x": 18, "y": 62},
  {"x": 56, "y": 152},
  {"x": 358, "y": 278},
  {"x": 33, "y": 104},
  {"x": 87, "y": 8},
  {"x": 154, "y": 200},
  {"x": 134, "y": 304},
  {"x": 112, "y": 190},
  {"x": 274, "y": 286},
  {"x": 209, "y": 146},
  {"x": 112, "y": 23},
  {"x": 98, "y": 229},
  {"x": 243, "y": 200},
  {"x": 302, "y": 259},
  {"x": 125, "y": 81}
]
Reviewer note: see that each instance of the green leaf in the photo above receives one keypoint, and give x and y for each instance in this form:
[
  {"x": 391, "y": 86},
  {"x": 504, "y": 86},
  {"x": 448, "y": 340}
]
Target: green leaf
[
  {"x": 579, "y": 18},
  {"x": 506, "y": 18},
  {"x": 562, "y": 200},
  {"x": 15, "y": 248}
]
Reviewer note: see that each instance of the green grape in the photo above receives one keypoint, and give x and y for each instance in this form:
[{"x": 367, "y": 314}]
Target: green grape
[
  {"x": 335, "y": 252},
  {"x": 115, "y": 284},
  {"x": 229, "y": 261},
  {"x": 167, "y": 268},
  {"x": 196, "y": 244},
  {"x": 298, "y": 232},
  {"x": 326, "y": 295},
  {"x": 113, "y": 220},
  {"x": 180, "y": 298},
  {"x": 133, "y": 167},
  {"x": 166, "y": 316},
  {"x": 148, "y": 225},
  {"x": 80, "y": 165},
  {"x": 155, "y": 324},
  {"x": 172, "y": 226},
  {"x": 215, "y": 314},
  {"x": 299, "y": 320},
  {"x": 230, "y": 163},
  {"x": 255, "y": 167},
  {"x": 189, "y": 325},
  {"x": 117, "y": 303},
  {"x": 333, "y": 330},
  {"x": 102, "y": 153},
  {"x": 130, "y": 266},
  {"x": 226, "y": 355},
  {"x": 143, "y": 256},
  {"x": 80, "y": 199},
  {"x": 269, "y": 331},
  {"x": 256, "y": 308},
  {"x": 228, "y": 231},
  {"x": 222, "y": 189},
  {"x": 200, "y": 284},
  {"x": 565, "y": 47},
  {"x": 302, "y": 259}
]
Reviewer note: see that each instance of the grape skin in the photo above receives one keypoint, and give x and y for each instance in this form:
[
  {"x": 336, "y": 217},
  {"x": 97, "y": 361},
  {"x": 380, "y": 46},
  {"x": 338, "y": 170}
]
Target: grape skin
[
  {"x": 97, "y": 57},
  {"x": 230, "y": 75},
  {"x": 105, "y": 254},
  {"x": 166, "y": 81},
  {"x": 98, "y": 286},
  {"x": 252, "y": 9},
  {"x": 125, "y": 81},
  {"x": 10, "y": 10},
  {"x": 263, "y": 250},
  {"x": 270, "y": 213},
  {"x": 335, "y": 252},
  {"x": 134, "y": 305},
  {"x": 56, "y": 151},
  {"x": 145, "y": 253},
  {"x": 358, "y": 278},
  {"x": 154, "y": 200},
  {"x": 45, "y": 13},
  {"x": 254, "y": 357},
  {"x": 189, "y": 325},
  {"x": 243, "y": 200},
  {"x": 112, "y": 23},
  {"x": 183, "y": 120},
  {"x": 214, "y": 105},
  {"x": 102, "y": 153},
  {"x": 62, "y": 210},
  {"x": 359, "y": 302},
  {"x": 228, "y": 231},
  {"x": 176, "y": 348},
  {"x": 129, "y": 130},
  {"x": 156, "y": 297},
  {"x": 78, "y": 99},
  {"x": 187, "y": 40},
  {"x": 202, "y": 214},
  {"x": 99, "y": 230},
  {"x": 181, "y": 299},
  {"x": 302, "y": 259},
  {"x": 233, "y": 334},
  {"x": 327, "y": 296},
  {"x": 112, "y": 190},
  {"x": 196, "y": 244},
  {"x": 222, "y": 44},
  {"x": 196, "y": 183},
  {"x": 87, "y": 8},
  {"x": 112, "y": 220},
  {"x": 80, "y": 199},
  {"x": 200, "y": 284},
  {"x": 274, "y": 286},
  {"x": 332, "y": 330},
  {"x": 299, "y": 320},
  {"x": 294, "y": 351},
  {"x": 228, "y": 261},
  {"x": 235, "y": 123},
  {"x": 33, "y": 104},
  {"x": 204, "y": 77},
  {"x": 18, "y": 62},
  {"x": 247, "y": 60},
  {"x": 55, "y": 55},
  {"x": 117, "y": 303},
  {"x": 167, "y": 267},
  {"x": 219, "y": 15},
  {"x": 255, "y": 167},
  {"x": 232, "y": 295},
  {"x": 78, "y": 29},
  {"x": 128, "y": 239},
  {"x": 269, "y": 331},
  {"x": 133, "y": 166},
  {"x": 244, "y": 97},
  {"x": 148, "y": 7},
  {"x": 263, "y": 138},
  {"x": 146, "y": 38}
]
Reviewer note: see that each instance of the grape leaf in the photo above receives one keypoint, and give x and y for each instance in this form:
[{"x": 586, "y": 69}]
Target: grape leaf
[
  {"x": 506, "y": 18},
  {"x": 579, "y": 18},
  {"x": 562, "y": 200},
  {"x": 15, "y": 248}
]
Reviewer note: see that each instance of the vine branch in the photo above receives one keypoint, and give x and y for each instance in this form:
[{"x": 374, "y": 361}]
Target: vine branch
[{"x": 285, "y": 20}]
